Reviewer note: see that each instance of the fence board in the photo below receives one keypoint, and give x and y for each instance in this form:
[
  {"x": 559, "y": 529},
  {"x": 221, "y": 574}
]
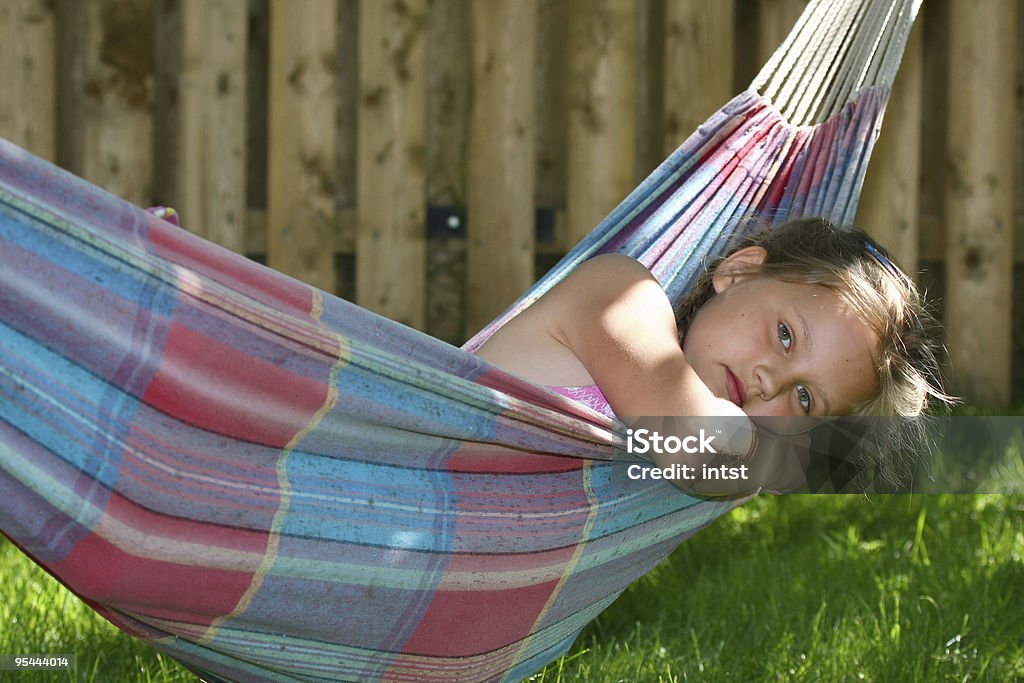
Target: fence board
[
  {"x": 166, "y": 67},
  {"x": 935, "y": 16},
  {"x": 501, "y": 158},
  {"x": 348, "y": 115},
  {"x": 979, "y": 198},
  {"x": 311, "y": 186},
  {"x": 391, "y": 240},
  {"x": 699, "y": 64},
  {"x": 775, "y": 19},
  {"x": 551, "y": 99},
  {"x": 890, "y": 208},
  {"x": 211, "y": 163},
  {"x": 301, "y": 145},
  {"x": 602, "y": 110},
  {"x": 1018, "y": 189},
  {"x": 257, "y": 94},
  {"x": 449, "y": 76},
  {"x": 28, "y": 108},
  {"x": 105, "y": 125},
  {"x": 650, "y": 89}
]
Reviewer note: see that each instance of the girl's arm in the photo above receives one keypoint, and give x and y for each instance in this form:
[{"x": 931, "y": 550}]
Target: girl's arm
[
  {"x": 615, "y": 318},
  {"x": 612, "y": 319}
]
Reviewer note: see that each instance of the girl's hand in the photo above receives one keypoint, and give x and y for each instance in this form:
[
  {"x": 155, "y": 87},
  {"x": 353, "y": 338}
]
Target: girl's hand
[
  {"x": 717, "y": 452},
  {"x": 780, "y": 461}
]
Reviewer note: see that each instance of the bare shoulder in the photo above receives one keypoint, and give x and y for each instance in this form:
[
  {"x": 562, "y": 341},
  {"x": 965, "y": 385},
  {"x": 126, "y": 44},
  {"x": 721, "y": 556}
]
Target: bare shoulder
[
  {"x": 610, "y": 270},
  {"x": 615, "y": 317},
  {"x": 608, "y": 289},
  {"x": 608, "y": 301}
]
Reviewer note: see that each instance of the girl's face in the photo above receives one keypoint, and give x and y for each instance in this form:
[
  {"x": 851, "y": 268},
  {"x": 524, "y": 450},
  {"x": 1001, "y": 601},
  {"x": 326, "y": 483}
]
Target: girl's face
[{"x": 780, "y": 348}]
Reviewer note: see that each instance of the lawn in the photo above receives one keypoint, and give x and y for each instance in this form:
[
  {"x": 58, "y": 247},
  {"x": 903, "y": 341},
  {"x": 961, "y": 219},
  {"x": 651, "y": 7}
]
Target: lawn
[
  {"x": 40, "y": 616},
  {"x": 826, "y": 588},
  {"x": 802, "y": 588}
]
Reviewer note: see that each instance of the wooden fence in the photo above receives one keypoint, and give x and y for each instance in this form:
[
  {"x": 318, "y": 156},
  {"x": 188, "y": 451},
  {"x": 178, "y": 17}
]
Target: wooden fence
[{"x": 353, "y": 143}]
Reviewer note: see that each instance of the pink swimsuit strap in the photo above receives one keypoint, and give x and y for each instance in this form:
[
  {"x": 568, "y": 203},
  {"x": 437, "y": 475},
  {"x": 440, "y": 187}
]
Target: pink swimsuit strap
[{"x": 590, "y": 396}]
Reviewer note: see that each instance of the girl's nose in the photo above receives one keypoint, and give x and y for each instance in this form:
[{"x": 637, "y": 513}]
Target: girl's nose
[
  {"x": 772, "y": 385},
  {"x": 770, "y": 381}
]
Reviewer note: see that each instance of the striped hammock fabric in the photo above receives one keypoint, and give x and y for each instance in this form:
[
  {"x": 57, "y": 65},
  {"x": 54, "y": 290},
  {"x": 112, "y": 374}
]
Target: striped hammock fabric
[{"x": 270, "y": 483}]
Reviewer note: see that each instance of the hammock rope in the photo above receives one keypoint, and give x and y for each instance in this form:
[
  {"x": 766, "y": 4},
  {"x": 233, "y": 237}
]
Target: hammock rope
[
  {"x": 270, "y": 483},
  {"x": 834, "y": 51}
]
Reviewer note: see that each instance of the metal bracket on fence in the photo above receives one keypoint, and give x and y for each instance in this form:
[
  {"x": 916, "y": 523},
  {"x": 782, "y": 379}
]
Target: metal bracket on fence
[{"x": 448, "y": 222}]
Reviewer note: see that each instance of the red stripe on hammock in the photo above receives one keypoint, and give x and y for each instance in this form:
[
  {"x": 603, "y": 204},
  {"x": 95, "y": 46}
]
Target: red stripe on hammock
[{"x": 201, "y": 381}]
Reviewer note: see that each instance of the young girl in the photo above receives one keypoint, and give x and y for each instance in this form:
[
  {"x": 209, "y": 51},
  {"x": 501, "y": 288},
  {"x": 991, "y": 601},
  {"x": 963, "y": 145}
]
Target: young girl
[{"x": 806, "y": 319}]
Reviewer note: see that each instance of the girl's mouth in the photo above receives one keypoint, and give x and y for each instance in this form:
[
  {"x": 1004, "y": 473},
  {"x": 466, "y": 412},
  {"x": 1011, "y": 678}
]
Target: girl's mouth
[{"x": 735, "y": 387}]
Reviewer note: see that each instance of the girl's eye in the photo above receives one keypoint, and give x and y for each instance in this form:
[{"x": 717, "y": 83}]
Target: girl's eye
[
  {"x": 784, "y": 336},
  {"x": 804, "y": 397}
]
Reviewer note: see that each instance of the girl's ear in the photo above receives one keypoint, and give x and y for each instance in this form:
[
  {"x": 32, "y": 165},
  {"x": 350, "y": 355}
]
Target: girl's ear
[{"x": 737, "y": 266}]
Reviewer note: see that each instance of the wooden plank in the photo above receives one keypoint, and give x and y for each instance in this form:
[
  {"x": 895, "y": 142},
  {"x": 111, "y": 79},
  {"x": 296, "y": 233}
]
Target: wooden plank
[
  {"x": 775, "y": 20},
  {"x": 932, "y": 224},
  {"x": 552, "y": 101},
  {"x": 166, "y": 67},
  {"x": 748, "y": 42},
  {"x": 28, "y": 108},
  {"x": 979, "y": 198},
  {"x": 300, "y": 149},
  {"x": 934, "y": 15},
  {"x": 449, "y": 81},
  {"x": 348, "y": 107},
  {"x": 446, "y": 290},
  {"x": 391, "y": 238},
  {"x": 650, "y": 93},
  {"x": 891, "y": 199},
  {"x": 1018, "y": 208},
  {"x": 449, "y": 85},
  {"x": 699, "y": 64},
  {"x": 105, "y": 123},
  {"x": 257, "y": 93},
  {"x": 256, "y": 232},
  {"x": 602, "y": 110},
  {"x": 502, "y": 158},
  {"x": 211, "y": 163}
]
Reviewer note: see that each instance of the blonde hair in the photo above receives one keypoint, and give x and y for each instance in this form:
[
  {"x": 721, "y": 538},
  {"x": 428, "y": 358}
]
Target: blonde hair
[{"x": 848, "y": 261}]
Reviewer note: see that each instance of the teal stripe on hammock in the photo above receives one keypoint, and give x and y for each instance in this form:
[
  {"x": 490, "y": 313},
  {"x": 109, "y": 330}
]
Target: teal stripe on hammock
[
  {"x": 37, "y": 405},
  {"x": 92, "y": 279}
]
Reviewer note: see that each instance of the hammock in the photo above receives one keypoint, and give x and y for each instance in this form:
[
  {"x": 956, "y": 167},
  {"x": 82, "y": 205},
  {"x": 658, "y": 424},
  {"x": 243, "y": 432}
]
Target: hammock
[{"x": 268, "y": 482}]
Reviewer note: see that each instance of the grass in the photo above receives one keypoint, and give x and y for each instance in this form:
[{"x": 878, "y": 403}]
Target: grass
[
  {"x": 40, "y": 616},
  {"x": 796, "y": 588},
  {"x": 838, "y": 588}
]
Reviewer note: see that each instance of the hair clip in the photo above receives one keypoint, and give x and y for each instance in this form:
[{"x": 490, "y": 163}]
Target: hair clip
[{"x": 881, "y": 258}]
